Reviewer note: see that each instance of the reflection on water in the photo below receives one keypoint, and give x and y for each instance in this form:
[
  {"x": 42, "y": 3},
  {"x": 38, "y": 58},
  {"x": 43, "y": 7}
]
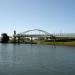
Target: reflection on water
[{"x": 36, "y": 60}]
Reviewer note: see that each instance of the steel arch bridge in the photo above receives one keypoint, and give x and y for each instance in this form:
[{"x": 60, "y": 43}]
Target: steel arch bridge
[
  {"x": 31, "y": 33},
  {"x": 43, "y": 34}
]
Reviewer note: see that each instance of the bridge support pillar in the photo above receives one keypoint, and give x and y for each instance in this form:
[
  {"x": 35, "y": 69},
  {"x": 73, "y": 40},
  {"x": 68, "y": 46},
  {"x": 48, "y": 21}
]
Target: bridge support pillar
[
  {"x": 18, "y": 39},
  {"x": 46, "y": 38},
  {"x": 14, "y": 41},
  {"x": 31, "y": 40}
]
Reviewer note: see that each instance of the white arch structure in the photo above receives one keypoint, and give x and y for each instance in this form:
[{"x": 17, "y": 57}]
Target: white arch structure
[{"x": 43, "y": 33}]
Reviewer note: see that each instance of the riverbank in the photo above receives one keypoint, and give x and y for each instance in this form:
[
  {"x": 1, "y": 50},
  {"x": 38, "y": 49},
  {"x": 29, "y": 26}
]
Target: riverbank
[{"x": 72, "y": 43}]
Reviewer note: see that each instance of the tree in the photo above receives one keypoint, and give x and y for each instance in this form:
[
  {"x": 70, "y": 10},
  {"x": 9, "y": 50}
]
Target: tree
[{"x": 5, "y": 38}]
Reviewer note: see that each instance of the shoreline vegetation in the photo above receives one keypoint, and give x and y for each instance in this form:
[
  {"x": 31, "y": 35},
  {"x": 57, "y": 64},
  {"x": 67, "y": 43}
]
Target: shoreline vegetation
[{"x": 72, "y": 43}]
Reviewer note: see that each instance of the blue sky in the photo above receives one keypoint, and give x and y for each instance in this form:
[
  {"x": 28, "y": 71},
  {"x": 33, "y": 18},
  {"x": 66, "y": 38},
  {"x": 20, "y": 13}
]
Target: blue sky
[{"x": 54, "y": 16}]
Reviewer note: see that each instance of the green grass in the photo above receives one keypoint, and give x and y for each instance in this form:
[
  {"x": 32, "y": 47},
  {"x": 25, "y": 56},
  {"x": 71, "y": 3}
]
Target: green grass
[
  {"x": 62, "y": 43},
  {"x": 72, "y": 43}
]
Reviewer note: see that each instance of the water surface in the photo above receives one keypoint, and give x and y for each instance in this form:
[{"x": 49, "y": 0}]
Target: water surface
[{"x": 26, "y": 59}]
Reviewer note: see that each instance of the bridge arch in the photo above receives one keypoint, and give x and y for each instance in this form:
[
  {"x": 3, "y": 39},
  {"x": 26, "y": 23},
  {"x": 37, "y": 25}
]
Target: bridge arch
[
  {"x": 39, "y": 32},
  {"x": 45, "y": 35}
]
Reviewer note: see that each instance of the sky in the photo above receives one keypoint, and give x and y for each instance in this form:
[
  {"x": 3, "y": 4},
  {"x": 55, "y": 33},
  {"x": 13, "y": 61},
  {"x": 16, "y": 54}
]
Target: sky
[{"x": 53, "y": 16}]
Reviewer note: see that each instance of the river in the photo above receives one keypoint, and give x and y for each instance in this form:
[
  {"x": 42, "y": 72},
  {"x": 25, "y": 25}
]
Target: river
[{"x": 25, "y": 59}]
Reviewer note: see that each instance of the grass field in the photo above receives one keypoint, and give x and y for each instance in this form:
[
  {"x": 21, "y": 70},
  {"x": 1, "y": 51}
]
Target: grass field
[{"x": 61, "y": 43}]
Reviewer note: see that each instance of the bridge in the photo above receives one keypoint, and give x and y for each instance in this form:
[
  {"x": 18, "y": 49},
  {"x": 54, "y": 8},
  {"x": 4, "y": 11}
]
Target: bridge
[{"x": 36, "y": 33}]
